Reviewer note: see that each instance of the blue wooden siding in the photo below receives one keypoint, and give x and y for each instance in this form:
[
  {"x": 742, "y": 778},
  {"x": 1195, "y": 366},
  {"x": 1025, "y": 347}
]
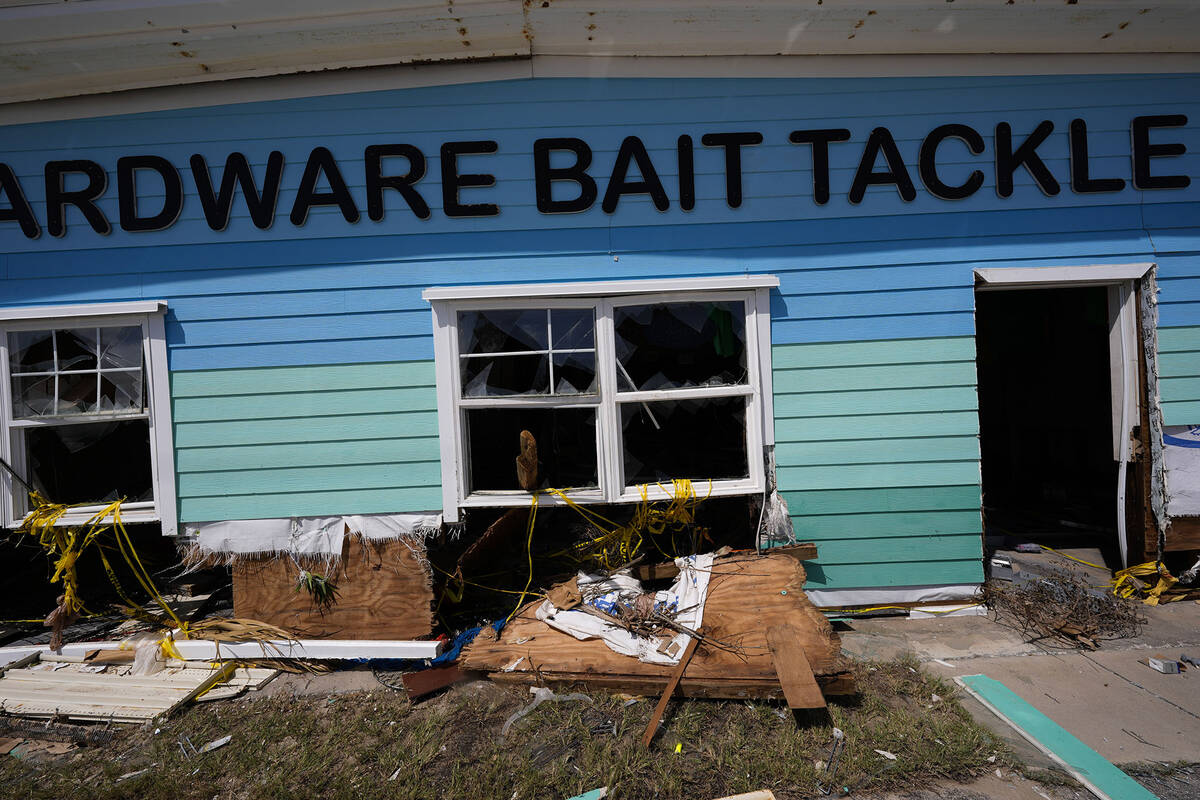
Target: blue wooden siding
[{"x": 301, "y": 357}]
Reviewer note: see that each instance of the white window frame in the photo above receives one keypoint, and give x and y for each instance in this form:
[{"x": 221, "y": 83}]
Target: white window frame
[
  {"x": 149, "y": 316},
  {"x": 604, "y": 296}
]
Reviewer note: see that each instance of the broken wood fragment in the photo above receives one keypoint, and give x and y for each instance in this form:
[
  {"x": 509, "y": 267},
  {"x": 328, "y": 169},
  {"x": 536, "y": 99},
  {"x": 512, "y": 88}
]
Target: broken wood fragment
[
  {"x": 795, "y": 675},
  {"x": 428, "y": 681},
  {"x": 650, "y": 572},
  {"x": 527, "y": 463},
  {"x": 672, "y": 683}
]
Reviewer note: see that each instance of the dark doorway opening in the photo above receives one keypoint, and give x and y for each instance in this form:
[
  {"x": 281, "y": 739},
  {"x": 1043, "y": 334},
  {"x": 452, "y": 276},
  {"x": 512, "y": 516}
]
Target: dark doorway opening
[{"x": 1045, "y": 416}]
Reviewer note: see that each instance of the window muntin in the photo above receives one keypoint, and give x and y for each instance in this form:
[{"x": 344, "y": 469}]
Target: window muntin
[
  {"x": 691, "y": 358},
  {"x": 72, "y": 371},
  {"x": 532, "y": 351},
  {"x": 85, "y": 411}
]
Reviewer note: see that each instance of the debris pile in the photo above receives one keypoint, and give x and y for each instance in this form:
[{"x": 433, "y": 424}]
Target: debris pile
[
  {"x": 1061, "y": 606},
  {"x": 1154, "y": 585},
  {"x": 748, "y": 595}
]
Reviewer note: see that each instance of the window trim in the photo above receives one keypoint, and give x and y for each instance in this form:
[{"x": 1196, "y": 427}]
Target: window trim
[
  {"x": 149, "y": 315},
  {"x": 446, "y": 302}
]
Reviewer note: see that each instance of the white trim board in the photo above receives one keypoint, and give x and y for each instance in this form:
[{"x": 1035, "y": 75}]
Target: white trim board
[
  {"x": 601, "y": 288},
  {"x": 341, "y": 649},
  {"x": 209, "y": 92},
  {"x": 1081, "y": 275},
  {"x": 83, "y": 310}
]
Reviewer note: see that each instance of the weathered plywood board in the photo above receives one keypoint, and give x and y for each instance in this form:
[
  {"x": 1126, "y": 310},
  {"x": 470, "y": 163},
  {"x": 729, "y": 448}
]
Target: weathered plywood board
[
  {"x": 795, "y": 676},
  {"x": 747, "y": 594},
  {"x": 383, "y": 593}
]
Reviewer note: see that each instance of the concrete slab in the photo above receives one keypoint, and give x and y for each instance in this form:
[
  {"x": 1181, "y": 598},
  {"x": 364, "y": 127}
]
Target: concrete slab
[
  {"x": 1122, "y": 721},
  {"x": 948, "y": 638}
]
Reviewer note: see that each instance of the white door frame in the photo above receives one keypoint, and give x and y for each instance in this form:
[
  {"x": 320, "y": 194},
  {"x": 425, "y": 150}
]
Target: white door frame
[{"x": 1122, "y": 342}]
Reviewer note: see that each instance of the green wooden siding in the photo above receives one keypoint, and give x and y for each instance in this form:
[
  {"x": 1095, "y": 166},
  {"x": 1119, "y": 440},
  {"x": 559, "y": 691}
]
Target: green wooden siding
[
  {"x": 306, "y": 441},
  {"x": 1179, "y": 375},
  {"x": 877, "y": 451}
]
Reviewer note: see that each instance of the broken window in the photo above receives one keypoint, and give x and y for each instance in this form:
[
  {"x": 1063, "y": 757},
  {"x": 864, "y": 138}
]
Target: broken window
[
  {"x": 79, "y": 421},
  {"x": 621, "y": 394}
]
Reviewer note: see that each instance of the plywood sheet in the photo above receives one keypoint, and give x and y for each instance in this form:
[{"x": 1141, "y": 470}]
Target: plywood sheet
[
  {"x": 747, "y": 595},
  {"x": 384, "y": 592}
]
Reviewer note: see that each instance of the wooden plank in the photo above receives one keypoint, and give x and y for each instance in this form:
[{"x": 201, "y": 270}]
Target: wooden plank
[
  {"x": 383, "y": 593},
  {"x": 428, "y": 681},
  {"x": 1183, "y": 534},
  {"x": 795, "y": 675},
  {"x": 1089, "y": 767},
  {"x": 806, "y": 551},
  {"x": 672, "y": 684},
  {"x": 717, "y": 688}
]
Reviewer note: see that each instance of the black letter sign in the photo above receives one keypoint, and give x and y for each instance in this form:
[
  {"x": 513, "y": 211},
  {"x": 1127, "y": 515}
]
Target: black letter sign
[
  {"x": 452, "y": 182},
  {"x": 377, "y": 182},
  {"x": 1080, "y": 182},
  {"x": 57, "y": 198},
  {"x": 632, "y": 148},
  {"x": 307, "y": 196},
  {"x": 820, "y": 139},
  {"x": 544, "y": 176},
  {"x": 881, "y": 139},
  {"x": 927, "y": 162},
  {"x": 687, "y": 173},
  {"x": 1143, "y": 151},
  {"x": 733, "y": 143},
  {"x": 18, "y": 210},
  {"x": 237, "y": 170},
  {"x": 1007, "y": 159},
  {"x": 127, "y": 168}
]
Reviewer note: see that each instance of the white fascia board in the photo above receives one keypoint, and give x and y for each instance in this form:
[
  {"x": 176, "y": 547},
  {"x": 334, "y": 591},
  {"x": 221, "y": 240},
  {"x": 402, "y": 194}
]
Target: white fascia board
[
  {"x": 1016, "y": 277},
  {"x": 202, "y": 90},
  {"x": 83, "y": 310},
  {"x": 339, "y": 649},
  {"x": 897, "y": 65},
  {"x": 601, "y": 288}
]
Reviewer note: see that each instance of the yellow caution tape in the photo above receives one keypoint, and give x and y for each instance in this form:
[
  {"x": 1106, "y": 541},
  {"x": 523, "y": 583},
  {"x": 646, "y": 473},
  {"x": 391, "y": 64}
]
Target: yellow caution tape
[
  {"x": 1134, "y": 582},
  {"x": 1072, "y": 558},
  {"x": 64, "y": 544}
]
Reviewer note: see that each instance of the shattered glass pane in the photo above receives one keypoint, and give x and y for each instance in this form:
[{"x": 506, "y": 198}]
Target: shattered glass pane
[
  {"x": 573, "y": 328},
  {"x": 507, "y": 331},
  {"x": 76, "y": 393},
  {"x": 501, "y": 376},
  {"x": 76, "y": 349},
  {"x": 121, "y": 347},
  {"x": 33, "y": 396},
  {"x": 574, "y": 373},
  {"x": 677, "y": 345},
  {"x": 122, "y": 391},
  {"x": 31, "y": 351},
  {"x": 91, "y": 463},
  {"x": 696, "y": 439},
  {"x": 566, "y": 444}
]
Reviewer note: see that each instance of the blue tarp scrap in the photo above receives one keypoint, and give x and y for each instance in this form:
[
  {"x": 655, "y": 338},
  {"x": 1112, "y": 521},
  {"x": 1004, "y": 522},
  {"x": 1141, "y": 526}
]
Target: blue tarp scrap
[{"x": 448, "y": 656}]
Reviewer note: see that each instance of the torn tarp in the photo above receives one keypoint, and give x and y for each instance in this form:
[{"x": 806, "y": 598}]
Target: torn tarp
[
  {"x": 319, "y": 537},
  {"x": 684, "y": 602}
]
